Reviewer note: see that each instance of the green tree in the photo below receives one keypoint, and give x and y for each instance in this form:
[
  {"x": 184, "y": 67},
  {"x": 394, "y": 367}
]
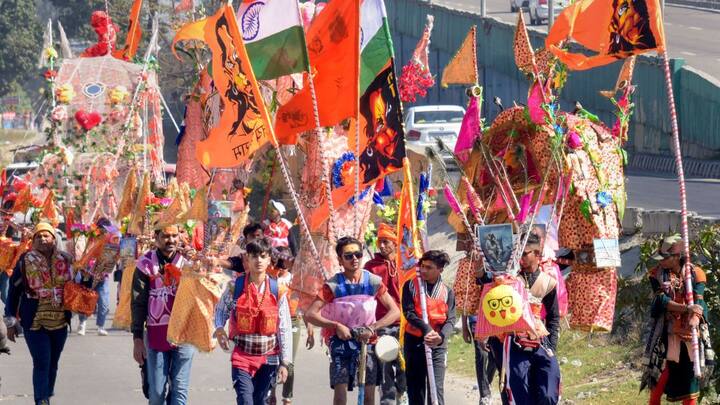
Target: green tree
[{"x": 20, "y": 42}]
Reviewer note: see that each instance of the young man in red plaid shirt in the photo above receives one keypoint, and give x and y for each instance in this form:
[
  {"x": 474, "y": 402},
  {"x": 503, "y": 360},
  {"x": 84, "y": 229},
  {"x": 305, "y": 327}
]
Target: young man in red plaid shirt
[{"x": 260, "y": 326}]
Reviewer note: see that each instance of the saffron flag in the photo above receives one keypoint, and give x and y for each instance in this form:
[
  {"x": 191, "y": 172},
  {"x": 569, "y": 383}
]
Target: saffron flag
[
  {"x": 382, "y": 140},
  {"x": 334, "y": 50},
  {"x": 274, "y": 37},
  {"x": 244, "y": 124},
  {"x": 613, "y": 29},
  {"x": 408, "y": 242},
  {"x": 462, "y": 68},
  {"x": 49, "y": 211},
  {"x": 133, "y": 36}
]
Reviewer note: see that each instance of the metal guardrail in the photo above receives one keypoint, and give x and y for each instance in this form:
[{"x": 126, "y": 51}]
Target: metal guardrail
[{"x": 705, "y": 4}]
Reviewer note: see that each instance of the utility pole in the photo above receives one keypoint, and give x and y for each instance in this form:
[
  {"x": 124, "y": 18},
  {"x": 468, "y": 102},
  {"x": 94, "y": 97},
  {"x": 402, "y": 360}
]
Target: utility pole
[
  {"x": 483, "y": 8},
  {"x": 551, "y": 13}
]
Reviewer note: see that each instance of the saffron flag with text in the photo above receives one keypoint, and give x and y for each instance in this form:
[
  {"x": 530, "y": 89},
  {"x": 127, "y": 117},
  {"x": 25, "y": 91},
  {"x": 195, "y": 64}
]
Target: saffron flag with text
[
  {"x": 381, "y": 137},
  {"x": 333, "y": 43},
  {"x": 244, "y": 124}
]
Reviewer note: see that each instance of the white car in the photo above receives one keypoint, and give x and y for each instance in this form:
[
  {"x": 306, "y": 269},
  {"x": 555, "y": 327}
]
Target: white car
[
  {"x": 516, "y": 5},
  {"x": 538, "y": 10},
  {"x": 424, "y": 125}
]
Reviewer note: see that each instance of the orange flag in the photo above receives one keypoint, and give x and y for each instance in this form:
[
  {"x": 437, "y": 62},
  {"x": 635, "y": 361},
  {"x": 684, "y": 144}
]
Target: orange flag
[
  {"x": 134, "y": 34},
  {"x": 244, "y": 125},
  {"x": 462, "y": 68},
  {"x": 408, "y": 242},
  {"x": 382, "y": 145},
  {"x": 524, "y": 53},
  {"x": 49, "y": 211},
  {"x": 333, "y": 42},
  {"x": 129, "y": 195},
  {"x": 613, "y": 29}
]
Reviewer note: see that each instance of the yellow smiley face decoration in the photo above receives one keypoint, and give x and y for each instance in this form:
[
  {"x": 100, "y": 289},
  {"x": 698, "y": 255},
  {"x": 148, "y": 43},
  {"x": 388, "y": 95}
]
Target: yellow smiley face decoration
[{"x": 502, "y": 306}]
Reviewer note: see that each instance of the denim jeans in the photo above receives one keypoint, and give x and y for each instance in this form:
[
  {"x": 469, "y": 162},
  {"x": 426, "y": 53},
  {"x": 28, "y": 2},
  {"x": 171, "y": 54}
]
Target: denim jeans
[
  {"x": 4, "y": 286},
  {"x": 169, "y": 375},
  {"x": 45, "y": 347},
  {"x": 253, "y": 390},
  {"x": 103, "y": 303}
]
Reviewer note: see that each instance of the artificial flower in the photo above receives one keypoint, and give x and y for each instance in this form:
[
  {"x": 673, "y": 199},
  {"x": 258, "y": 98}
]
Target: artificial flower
[
  {"x": 59, "y": 113},
  {"x": 51, "y": 53},
  {"x": 118, "y": 94},
  {"x": 574, "y": 141},
  {"x": 65, "y": 93},
  {"x": 50, "y": 74},
  {"x": 617, "y": 128},
  {"x": 603, "y": 199}
]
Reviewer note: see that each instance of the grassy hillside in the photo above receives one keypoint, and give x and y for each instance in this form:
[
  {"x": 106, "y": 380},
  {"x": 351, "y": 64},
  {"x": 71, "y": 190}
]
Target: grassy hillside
[{"x": 594, "y": 370}]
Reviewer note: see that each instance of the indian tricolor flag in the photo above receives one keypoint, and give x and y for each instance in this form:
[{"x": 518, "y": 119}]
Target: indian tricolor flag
[
  {"x": 273, "y": 37},
  {"x": 376, "y": 49}
]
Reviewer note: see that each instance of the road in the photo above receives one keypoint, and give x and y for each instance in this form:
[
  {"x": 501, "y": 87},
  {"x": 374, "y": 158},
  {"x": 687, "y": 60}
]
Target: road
[
  {"x": 98, "y": 370},
  {"x": 654, "y": 191},
  {"x": 690, "y": 33}
]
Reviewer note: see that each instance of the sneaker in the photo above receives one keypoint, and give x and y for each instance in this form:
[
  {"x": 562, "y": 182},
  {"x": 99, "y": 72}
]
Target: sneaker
[
  {"x": 102, "y": 331},
  {"x": 403, "y": 400},
  {"x": 81, "y": 329}
]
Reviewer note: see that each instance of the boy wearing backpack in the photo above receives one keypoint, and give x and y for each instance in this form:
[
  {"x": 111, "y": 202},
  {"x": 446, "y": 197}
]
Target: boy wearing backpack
[{"x": 260, "y": 327}]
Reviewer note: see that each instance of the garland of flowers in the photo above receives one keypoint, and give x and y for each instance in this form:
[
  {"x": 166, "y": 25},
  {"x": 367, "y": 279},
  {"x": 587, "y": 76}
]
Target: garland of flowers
[{"x": 342, "y": 168}]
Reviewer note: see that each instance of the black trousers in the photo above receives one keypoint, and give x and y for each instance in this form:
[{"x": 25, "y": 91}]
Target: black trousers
[
  {"x": 393, "y": 383},
  {"x": 416, "y": 371}
]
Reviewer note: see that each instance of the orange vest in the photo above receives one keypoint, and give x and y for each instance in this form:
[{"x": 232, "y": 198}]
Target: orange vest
[
  {"x": 255, "y": 313},
  {"x": 437, "y": 309}
]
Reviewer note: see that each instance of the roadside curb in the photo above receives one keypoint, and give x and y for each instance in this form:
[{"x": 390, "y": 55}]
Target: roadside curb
[
  {"x": 709, "y": 169},
  {"x": 709, "y": 6}
]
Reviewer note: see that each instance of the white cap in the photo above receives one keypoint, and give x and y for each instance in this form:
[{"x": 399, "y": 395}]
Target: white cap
[{"x": 278, "y": 206}]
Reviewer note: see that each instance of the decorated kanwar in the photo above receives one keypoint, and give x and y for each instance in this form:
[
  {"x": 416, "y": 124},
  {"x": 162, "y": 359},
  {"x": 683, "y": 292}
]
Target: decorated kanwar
[{"x": 399, "y": 202}]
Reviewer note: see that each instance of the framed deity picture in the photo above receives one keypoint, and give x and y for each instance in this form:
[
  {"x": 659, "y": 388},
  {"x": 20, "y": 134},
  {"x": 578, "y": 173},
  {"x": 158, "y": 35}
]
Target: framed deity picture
[{"x": 496, "y": 242}]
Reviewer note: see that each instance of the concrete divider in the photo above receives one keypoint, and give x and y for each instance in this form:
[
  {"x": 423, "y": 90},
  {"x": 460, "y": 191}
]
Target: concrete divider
[{"x": 655, "y": 222}]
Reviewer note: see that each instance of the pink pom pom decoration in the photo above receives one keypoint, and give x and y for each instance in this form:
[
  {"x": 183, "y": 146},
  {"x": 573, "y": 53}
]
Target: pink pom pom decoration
[{"x": 452, "y": 201}]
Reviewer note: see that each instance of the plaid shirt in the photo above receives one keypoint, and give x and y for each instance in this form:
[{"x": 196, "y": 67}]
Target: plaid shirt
[{"x": 254, "y": 344}]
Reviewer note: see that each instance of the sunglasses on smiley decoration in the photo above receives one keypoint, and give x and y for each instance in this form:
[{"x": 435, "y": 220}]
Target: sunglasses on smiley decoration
[{"x": 350, "y": 255}]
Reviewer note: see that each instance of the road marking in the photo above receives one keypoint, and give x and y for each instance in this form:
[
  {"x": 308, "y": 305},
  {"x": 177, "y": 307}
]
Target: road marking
[
  {"x": 688, "y": 53},
  {"x": 695, "y": 28}
]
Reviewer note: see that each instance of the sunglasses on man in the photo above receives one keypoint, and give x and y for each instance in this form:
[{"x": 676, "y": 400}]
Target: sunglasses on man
[{"x": 350, "y": 255}]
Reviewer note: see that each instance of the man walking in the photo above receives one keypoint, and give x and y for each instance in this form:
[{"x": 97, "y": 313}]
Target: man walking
[
  {"x": 345, "y": 308},
  {"x": 155, "y": 284},
  {"x": 394, "y": 385}
]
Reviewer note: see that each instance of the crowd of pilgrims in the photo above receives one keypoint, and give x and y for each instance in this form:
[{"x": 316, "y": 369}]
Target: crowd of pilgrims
[{"x": 258, "y": 320}]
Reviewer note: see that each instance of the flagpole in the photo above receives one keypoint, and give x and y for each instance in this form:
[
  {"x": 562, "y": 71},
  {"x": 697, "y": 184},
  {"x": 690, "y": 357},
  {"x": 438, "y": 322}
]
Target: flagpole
[
  {"x": 333, "y": 235},
  {"x": 689, "y": 299},
  {"x": 357, "y": 128},
  {"x": 232, "y": 25}
]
